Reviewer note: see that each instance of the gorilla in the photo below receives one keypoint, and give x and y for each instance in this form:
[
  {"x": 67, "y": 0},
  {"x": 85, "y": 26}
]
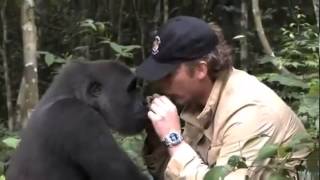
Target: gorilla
[{"x": 68, "y": 136}]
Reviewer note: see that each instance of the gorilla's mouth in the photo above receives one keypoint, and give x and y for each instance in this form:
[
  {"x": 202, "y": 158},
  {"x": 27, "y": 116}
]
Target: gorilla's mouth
[{"x": 143, "y": 114}]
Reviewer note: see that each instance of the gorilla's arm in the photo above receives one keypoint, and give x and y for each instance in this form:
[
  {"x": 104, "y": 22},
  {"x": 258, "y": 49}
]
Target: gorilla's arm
[{"x": 91, "y": 145}]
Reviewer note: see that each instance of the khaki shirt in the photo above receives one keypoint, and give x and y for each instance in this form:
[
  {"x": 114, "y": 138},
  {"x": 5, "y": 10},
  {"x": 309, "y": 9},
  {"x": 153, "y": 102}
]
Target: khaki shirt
[{"x": 238, "y": 109}]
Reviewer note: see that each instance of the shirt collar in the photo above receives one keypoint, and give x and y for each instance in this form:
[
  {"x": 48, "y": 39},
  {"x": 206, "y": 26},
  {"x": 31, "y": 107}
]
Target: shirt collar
[{"x": 203, "y": 119}]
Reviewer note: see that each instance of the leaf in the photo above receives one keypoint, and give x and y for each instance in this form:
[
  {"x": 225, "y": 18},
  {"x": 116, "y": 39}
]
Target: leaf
[
  {"x": 2, "y": 178},
  {"x": 11, "y": 142},
  {"x": 314, "y": 88},
  {"x": 309, "y": 105},
  {"x": 299, "y": 138},
  {"x": 286, "y": 80},
  {"x": 131, "y": 47},
  {"x": 301, "y": 141},
  {"x": 49, "y": 59},
  {"x": 100, "y": 27},
  {"x": 121, "y": 50},
  {"x": 234, "y": 161},
  {"x": 266, "y": 59},
  {"x": 276, "y": 176},
  {"x": 88, "y": 23},
  {"x": 116, "y": 47},
  {"x": 1, "y": 167},
  {"x": 217, "y": 173},
  {"x": 240, "y": 36},
  {"x": 268, "y": 151},
  {"x": 313, "y": 161},
  {"x": 237, "y": 162},
  {"x": 284, "y": 151}
]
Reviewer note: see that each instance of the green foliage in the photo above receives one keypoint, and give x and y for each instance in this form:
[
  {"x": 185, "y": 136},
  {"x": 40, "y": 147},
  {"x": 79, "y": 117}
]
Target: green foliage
[
  {"x": 269, "y": 151},
  {"x": 280, "y": 154},
  {"x": 237, "y": 162},
  {"x": 285, "y": 80},
  {"x": 51, "y": 59},
  {"x": 122, "y": 51},
  {"x": 300, "y": 45},
  {"x": 133, "y": 145},
  {"x": 8, "y": 142},
  {"x": 299, "y": 53},
  {"x": 11, "y": 142},
  {"x": 218, "y": 172},
  {"x": 99, "y": 33}
]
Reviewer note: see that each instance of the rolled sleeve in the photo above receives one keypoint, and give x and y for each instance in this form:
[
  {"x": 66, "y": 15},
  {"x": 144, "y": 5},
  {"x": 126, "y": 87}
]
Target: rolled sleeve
[{"x": 186, "y": 164}]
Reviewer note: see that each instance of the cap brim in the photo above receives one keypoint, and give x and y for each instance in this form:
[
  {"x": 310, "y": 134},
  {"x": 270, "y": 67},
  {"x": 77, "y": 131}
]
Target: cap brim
[{"x": 151, "y": 70}]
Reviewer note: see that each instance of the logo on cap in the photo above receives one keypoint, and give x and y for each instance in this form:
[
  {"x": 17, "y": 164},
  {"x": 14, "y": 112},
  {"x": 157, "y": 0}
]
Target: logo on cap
[{"x": 155, "y": 45}]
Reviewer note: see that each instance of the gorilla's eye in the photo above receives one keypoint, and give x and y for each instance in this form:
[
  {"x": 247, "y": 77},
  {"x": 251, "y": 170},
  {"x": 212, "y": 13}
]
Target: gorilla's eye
[
  {"x": 95, "y": 89},
  {"x": 132, "y": 86}
]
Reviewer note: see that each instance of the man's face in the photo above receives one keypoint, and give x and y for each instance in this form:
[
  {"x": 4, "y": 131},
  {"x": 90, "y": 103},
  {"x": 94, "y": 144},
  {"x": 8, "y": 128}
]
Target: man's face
[{"x": 181, "y": 86}]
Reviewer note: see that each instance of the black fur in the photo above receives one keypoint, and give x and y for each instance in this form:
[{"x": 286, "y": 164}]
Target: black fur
[{"x": 68, "y": 135}]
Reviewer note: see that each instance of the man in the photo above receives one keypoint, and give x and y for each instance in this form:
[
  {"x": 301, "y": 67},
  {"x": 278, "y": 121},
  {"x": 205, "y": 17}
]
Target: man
[{"x": 223, "y": 107}]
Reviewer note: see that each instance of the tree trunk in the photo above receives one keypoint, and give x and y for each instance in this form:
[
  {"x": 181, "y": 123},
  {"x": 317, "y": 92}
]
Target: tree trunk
[
  {"x": 263, "y": 39},
  {"x": 244, "y": 40},
  {"x": 5, "y": 66},
  {"x": 316, "y": 10},
  {"x": 141, "y": 27},
  {"x": 120, "y": 22},
  {"x": 21, "y": 112},
  {"x": 156, "y": 15},
  {"x": 29, "y": 34},
  {"x": 165, "y": 11},
  {"x": 262, "y": 36}
]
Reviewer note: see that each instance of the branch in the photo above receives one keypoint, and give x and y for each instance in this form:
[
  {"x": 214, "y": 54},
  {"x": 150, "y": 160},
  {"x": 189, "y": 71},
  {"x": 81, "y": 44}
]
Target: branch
[
  {"x": 316, "y": 10},
  {"x": 140, "y": 22},
  {"x": 244, "y": 29},
  {"x": 165, "y": 11},
  {"x": 120, "y": 21},
  {"x": 257, "y": 19},
  {"x": 29, "y": 36},
  {"x": 263, "y": 39}
]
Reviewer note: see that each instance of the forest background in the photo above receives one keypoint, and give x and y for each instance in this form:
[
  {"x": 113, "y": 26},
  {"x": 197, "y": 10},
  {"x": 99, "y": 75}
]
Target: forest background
[{"x": 278, "y": 41}]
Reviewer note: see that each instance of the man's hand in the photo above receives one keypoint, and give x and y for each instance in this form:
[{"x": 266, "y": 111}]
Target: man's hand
[{"x": 164, "y": 116}]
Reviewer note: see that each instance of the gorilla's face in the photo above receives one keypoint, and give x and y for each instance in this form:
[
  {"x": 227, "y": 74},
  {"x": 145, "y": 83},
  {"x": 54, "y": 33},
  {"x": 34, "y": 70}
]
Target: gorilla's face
[{"x": 113, "y": 92}]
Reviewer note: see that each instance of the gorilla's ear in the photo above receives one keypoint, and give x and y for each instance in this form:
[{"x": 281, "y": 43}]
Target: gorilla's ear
[{"x": 94, "y": 89}]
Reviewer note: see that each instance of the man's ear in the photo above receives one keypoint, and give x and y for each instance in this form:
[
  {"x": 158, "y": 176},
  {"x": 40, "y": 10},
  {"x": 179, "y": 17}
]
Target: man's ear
[{"x": 202, "y": 70}]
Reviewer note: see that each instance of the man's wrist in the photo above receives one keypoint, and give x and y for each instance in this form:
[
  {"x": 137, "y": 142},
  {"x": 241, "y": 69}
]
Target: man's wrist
[
  {"x": 172, "y": 150},
  {"x": 173, "y": 138}
]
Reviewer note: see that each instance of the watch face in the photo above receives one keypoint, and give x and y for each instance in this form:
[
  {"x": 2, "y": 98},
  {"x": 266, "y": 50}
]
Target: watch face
[{"x": 174, "y": 137}]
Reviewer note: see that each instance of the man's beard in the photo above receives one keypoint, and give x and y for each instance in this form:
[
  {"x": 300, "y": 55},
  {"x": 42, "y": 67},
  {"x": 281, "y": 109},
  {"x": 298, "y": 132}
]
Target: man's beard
[{"x": 184, "y": 102}]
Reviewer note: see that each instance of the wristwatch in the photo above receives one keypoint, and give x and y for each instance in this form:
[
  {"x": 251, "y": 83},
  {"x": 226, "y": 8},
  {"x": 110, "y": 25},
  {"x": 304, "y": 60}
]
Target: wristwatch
[{"x": 172, "y": 139}]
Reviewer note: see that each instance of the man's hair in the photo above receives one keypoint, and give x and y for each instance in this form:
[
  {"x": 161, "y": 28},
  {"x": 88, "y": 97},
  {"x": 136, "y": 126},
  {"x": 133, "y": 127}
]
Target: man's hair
[{"x": 219, "y": 59}]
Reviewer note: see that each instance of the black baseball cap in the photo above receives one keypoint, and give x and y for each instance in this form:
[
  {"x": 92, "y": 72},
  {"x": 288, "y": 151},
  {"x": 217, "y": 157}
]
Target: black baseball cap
[{"x": 181, "y": 39}]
